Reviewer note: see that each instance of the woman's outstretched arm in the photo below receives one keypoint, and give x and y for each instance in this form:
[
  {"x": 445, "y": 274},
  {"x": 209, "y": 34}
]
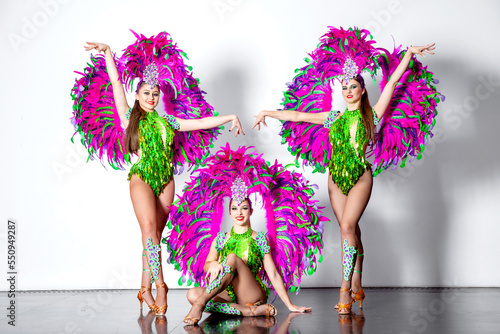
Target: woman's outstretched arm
[
  {"x": 290, "y": 115},
  {"x": 386, "y": 96},
  {"x": 210, "y": 122},
  {"x": 278, "y": 285},
  {"x": 118, "y": 90}
]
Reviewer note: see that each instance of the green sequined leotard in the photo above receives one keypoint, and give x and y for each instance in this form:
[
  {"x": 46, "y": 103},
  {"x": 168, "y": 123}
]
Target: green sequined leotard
[
  {"x": 156, "y": 137},
  {"x": 250, "y": 250},
  {"x": 348, "y": 138}
]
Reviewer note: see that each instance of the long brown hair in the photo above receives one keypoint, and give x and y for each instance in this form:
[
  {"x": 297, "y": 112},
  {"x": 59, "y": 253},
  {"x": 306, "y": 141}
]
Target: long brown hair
[
  {"x": 132, "y": 132},
  {"x": 366, "y": 111}
]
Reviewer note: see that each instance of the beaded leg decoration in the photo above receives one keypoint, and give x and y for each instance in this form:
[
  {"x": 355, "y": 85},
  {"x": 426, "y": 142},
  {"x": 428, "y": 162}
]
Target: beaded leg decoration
[
  {"x": 348, "y": 260},
  {"x": 216, "y": 283},
  {"x": 153, "y": 258},
  {"x": 221, "y": 308}
]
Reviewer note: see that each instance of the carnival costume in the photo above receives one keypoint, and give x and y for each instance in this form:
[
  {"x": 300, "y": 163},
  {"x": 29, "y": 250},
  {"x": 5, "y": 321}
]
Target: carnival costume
[
  {"x": 403, "y": 131},
  {"x": 156, "y": 136},
  {"x": 250, "y": 250},
  {"x": 294, "y": 222},
  {"x": 348, "y": 161},
  {"x": 158, "y": 62}
]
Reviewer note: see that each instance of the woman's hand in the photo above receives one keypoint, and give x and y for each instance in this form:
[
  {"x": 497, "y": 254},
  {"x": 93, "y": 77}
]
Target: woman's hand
[
  {"x": 421, "y": 49},
  {"x": 100, "y": 47},
  {"x": 260, "y": 118},
  {"x": 301, "y": 309},
  {"x": 236, "y": 124},
  {"x": 213, "y": 271}
]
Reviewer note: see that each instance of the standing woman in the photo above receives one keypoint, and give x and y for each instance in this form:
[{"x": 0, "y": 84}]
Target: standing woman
[
  {"x": 152, "y": 138},
  {"x": 350, "y": 181}
]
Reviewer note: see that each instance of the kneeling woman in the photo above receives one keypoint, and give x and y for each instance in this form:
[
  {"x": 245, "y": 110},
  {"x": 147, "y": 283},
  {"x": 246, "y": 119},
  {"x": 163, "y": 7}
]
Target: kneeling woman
[{"x": 232, "y": 268}]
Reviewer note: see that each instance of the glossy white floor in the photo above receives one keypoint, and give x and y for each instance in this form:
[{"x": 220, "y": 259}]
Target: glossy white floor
[{"x": 386, "y": 310}]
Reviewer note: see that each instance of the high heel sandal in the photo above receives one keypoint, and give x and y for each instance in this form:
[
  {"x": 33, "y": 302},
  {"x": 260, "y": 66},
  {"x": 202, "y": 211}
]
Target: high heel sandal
[
  {"x": 190, "y": 318},
  {"x": 161, "y": 310},
  {"x": 360, "y": 295},
  {"x": 141, "y": 298},
  {"x": 341, "y": 290},
  {"x": 269, "y": 308},
  {"x": 341, "y": 306}
]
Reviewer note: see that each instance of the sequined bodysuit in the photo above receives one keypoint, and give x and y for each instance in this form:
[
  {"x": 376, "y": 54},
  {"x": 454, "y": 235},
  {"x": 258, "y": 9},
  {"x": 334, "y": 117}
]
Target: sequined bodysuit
[
  {"x": 156, "y": 137},
  {"x": 348, "y": 138},
  {"x": 250, "y": 250}
]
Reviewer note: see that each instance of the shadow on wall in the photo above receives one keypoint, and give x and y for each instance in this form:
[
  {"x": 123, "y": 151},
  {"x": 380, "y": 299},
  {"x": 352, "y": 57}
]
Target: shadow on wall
[{"x": 460, "y": 152}]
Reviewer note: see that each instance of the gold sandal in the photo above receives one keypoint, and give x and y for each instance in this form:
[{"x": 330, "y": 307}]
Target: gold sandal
[
  {"x": 145, "y": 289},
  {"x": 341, "y": 290},
  {"x": 269, "y": 308},
  {"x": 360, "y": 295},
  {"x": 188, "y": 318},
  {"x": 161, "y": 310}
]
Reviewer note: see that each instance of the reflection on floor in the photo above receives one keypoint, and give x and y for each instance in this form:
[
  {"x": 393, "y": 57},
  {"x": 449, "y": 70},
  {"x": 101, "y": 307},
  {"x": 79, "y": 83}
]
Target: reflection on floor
[{"x": 386, "y": 310}]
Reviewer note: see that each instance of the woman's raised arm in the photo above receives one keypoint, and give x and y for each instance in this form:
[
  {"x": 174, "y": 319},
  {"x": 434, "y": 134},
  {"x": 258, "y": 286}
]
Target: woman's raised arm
[
  {"x": 386, "y": 96},
  {"x": 118, "y": 90}
]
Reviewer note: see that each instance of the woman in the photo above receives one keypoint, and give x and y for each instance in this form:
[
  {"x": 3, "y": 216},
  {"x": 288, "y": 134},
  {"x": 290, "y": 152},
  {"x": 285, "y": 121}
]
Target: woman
[
  {"x": 232, "y": 269},
  {"x": 151, "y": 177},
  {"x": 350, "y": 183}
]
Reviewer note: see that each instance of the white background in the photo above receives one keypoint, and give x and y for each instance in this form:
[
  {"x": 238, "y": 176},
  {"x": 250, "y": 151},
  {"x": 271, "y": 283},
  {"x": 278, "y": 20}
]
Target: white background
[{"x": 434, "y": 223}]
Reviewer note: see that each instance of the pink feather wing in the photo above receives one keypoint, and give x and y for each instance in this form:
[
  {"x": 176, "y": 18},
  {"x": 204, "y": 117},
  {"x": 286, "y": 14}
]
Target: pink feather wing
[{"x": 95, "y": 116}]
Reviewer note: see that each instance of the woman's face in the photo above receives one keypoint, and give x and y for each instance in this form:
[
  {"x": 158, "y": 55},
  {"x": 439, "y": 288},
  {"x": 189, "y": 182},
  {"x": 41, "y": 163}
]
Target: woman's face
[
  {"x": 148, "y": 98},
  {"x": 352, "y": 91},
  {"x": 240, "y": 213}
]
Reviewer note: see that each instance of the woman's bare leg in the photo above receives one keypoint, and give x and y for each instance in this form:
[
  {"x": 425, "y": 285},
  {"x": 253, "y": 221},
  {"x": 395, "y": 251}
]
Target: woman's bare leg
[
  {"x": 348, "y": 210},
  {"x": 144, "y": 203},
  {"x": 163, "y": 203},
  {"x": 246, "y": 289},
  {"x": 357, "y": 200},
  {"x": 358, "y": 267}
]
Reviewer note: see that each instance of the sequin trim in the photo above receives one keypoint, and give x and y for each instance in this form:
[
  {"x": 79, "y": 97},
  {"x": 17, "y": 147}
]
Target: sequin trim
[
  {"x": 220, "y": 239},
  {"x": 243, "y": 245},
  {"x": 153, "y": 258},
  {"x": 261, "y": 241},
  {"x": 348, "y": 162},
  {"x": 172, "y": 121},
  {"x": 221, "y": 308},
  {"x": 155, "y": 166},
  {"x": 216, "y": 282},
  {"x": 376, "y": 120},
  {"x": 347, "y": 263},
  {"x": 332, "y": 115}
]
